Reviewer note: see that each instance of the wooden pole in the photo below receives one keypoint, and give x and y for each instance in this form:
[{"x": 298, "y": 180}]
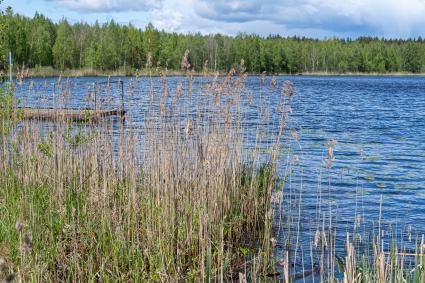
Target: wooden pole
[
  {"x": 95, "y": 96},
  {"x": 122, "y": 95},
  {"x": 122, "y": 102},
  {"x": 10, "y": 67}
]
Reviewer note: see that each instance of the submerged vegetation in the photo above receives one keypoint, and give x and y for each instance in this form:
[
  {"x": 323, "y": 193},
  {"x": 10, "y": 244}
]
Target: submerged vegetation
[{"x": 109, "y": 48}]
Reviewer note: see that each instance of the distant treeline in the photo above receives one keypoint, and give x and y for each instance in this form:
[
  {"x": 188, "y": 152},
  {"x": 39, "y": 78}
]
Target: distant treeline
[{"x": 39, "y": 42}]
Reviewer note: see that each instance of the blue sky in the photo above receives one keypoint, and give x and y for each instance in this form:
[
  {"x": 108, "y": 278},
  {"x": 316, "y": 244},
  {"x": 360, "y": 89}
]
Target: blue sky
[{"x": 312, "y": 18}]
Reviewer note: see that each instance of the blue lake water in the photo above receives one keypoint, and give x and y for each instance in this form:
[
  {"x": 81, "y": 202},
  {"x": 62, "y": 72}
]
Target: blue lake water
[{"x": 379, "y": 126}]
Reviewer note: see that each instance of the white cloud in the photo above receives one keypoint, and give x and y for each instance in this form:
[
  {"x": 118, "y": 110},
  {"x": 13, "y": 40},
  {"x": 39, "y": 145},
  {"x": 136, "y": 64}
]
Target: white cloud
[
  {"x": 109, "y": 5},
  {"x": 176, "y": 16},
  {"x": 315, "y": 18}
]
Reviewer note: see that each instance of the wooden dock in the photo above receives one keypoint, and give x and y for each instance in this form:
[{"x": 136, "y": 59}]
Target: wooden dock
[{"x": 68, "y": 115}]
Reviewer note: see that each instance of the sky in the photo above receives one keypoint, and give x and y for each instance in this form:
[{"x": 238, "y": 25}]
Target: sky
[{"x": 310, "y": 18}]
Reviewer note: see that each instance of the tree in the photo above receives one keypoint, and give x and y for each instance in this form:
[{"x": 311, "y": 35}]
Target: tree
[
  {"x": 2, "y": 39},
  {"x": 411, "y": 55},
  {"x": 135, "y": 48},
  {"x": 111, "y": 46},
  {"x": 151, "y": 44},
  {"x": 41, "y": 40},
  {"x": 63, "y": 49},
  {"x": 81, "y": 33}
]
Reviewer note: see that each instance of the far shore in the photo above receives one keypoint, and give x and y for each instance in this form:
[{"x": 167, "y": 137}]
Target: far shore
[{"x": 50, "y": 72}]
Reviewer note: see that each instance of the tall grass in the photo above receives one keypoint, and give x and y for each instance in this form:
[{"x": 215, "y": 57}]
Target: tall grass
[
  {"x": 185, "y": 200},
  {"x": 191, "y": 195}
]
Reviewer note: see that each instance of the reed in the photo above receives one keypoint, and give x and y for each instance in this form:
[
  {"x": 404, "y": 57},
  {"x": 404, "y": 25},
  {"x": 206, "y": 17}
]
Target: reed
[
  {"x": 180, "y": 198},
  {"x": 193, "y": 194}
]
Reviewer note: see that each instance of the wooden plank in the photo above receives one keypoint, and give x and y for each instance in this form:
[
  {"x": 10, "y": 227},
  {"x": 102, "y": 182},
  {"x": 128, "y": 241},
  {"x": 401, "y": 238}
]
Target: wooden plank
[{"x": 74, "y": 115}]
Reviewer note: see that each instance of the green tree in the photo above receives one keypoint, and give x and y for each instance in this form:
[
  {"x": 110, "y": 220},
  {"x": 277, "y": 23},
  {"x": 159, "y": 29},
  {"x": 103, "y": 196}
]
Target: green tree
[
  {"x": 41, "y": 40},
  {"x": 135, "y": 48},
  {"x": 412, "y": 55},
  {"x": 111, "y": 46},
  {"x": 15, "y": 35},
  {"x": 63, "y": 49},
  {"x": 151, "y": 42},
  {"x": 2, "y": 40}
]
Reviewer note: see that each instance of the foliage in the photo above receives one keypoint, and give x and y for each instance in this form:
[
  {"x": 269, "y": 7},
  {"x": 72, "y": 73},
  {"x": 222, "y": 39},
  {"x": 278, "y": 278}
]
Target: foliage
[
  {"x": 39, "y": 42},
  {"x": 6, "y": 98},
  {"x": 78, "y": 137},
  {"x": 63, "y": 48},
  {"x": 2, "y": 40}
]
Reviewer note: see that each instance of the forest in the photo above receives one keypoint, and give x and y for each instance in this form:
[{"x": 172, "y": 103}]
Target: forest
[{"x": 39, "y": 42}]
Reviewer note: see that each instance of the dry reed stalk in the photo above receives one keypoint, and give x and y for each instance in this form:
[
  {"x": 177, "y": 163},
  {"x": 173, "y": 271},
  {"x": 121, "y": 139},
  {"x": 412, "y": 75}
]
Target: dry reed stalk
[{"x": 179, "y": 207}]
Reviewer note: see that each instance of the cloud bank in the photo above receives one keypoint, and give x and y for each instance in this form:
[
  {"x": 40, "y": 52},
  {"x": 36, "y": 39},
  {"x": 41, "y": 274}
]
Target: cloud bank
[{"x": 314, "y": 18}]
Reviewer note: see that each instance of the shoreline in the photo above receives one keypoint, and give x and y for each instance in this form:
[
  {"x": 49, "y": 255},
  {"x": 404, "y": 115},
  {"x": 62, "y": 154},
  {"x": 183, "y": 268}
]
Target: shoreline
[{"x": 50, "y": 72}]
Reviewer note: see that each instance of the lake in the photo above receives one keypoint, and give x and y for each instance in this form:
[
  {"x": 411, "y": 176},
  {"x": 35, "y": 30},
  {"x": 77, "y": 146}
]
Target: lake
[{"x": 379, "y": 126}]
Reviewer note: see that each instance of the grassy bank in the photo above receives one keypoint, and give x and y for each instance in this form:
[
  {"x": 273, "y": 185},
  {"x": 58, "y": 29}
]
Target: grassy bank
[{"x": 45, "y": 72}]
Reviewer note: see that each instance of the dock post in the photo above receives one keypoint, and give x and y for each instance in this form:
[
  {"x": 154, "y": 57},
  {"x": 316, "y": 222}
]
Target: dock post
[
  {"x": 10, "y": 68},
  {"x": 122, "y": 95},
  {"x": 122, "y": 101},
  {"x": 95, "y": 97}
]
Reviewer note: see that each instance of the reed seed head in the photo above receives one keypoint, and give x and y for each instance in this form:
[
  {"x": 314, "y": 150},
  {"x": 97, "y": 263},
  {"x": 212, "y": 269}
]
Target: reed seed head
[{"x": 185, "y": 65}]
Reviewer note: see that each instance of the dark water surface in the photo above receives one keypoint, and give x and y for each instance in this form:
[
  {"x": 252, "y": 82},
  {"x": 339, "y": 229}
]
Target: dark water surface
[{"x": 379, "y": 123}]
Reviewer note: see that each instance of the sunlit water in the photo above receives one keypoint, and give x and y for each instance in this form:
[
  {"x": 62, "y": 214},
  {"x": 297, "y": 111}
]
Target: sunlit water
[{"x": 379, "y": 124}]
